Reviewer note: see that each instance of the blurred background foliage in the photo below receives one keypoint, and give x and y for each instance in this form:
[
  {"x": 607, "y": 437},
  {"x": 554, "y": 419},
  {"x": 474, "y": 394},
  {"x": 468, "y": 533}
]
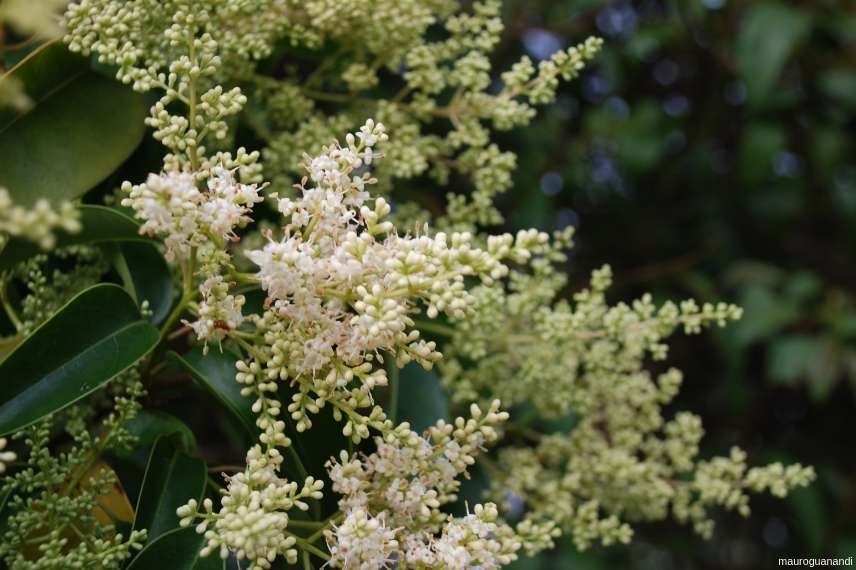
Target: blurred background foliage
[{"x": 709, "y": 152}]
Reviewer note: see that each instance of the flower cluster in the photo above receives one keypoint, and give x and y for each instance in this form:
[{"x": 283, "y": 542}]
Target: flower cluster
[
  {"x": 391, "y": 502},
  {"x": 38, "y": 223},
  {"x": 59, "y": 495},
  {"x": 171, "y": 46},
  {"x": 622, "y": 462},
  {"x": 253, "y": 517},
  {"x": 520, "y": 337},
  {"x": 437, "y": 136},
  {"x": 172, "y": 205},
  {"x": 48, "y": 287},
  {"x": 343, "y": 286},
  {"x": 193, "y": 50},
  {"x": 219, "y": 311}
]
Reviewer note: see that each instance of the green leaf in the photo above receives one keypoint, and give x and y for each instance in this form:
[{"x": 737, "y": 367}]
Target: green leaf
[
  {"x": 177, "y": 550},
  {"x": 216, "y": 372},
  {"x": 172, "y": 478},
  {"x": 146, "y": 276},
  {"x": 80, "y": 128},
  {"x": 765, "y": 314},
  {"x": 767, "y": 37},
  {"x": 421, "y": 400},
  {"x": 790, "y": 356},
  {"x": 99, "y": 225},
  {"x": 8, "y": 344},
  {"x": 39, "y": 73},
  {"x": 90, "y": 340},
  {"x": 149, "y": 425}
]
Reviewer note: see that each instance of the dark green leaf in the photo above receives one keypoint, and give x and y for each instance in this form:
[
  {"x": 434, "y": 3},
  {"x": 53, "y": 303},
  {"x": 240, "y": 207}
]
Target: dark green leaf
[
  {"x": 8, "y": 344},
  {"x": 768, "y": 36},
  {"x": 216, "y": 371},
  {"x": 90, "y": 340},
  {"x": 421, "y": 400},
  {"x": 172, "y": 478},
  {"x": 149, "y": 425},
  {"x": 40, "y": 73},
  {"x": 177, "y": 550},
  {"x": 80, "y": 128},
  {"x": 99, "y": 225},
  {"x": 146, "y": 276}
]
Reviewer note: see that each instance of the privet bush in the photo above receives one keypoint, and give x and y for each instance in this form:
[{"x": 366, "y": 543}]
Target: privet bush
[{"x": 316, "y": 270}]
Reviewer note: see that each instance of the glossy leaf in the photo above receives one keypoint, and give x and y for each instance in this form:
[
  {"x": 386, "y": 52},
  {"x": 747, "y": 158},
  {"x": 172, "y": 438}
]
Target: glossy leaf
[
  {"x": 421, "y": 400},
  {"x": 172, "y": 478},
  {"x": 40, "y": 72},
  {"x": 146, "y": 276},
  {"x": 99, "y": 225},
  {"x": 215, "y": 372},
  {"x": 90, "y": 340},
  {"x": 8, "y": 344},
  {"x": 149, "y": 425},
  {"x": 80, "y": 128},
  {"x": 177, "y": 549}
]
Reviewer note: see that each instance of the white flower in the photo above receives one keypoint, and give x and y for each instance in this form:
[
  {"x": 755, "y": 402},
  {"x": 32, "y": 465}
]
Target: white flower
[
  {"x": 219, "y": 312},
  {"x": 5, "y": 456},
  {"x": 171, "y": 205},
  {"x": 253, "y": 515},
  {"x": 362, "y": 543}
]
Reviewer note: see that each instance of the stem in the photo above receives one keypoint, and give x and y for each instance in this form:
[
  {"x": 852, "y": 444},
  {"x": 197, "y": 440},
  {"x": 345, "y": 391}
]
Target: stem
[
  {"x": 308, "y": 547},
  {"x": 243, "y": 278},
  {"x": 179, "y": 333},
  {"x": 191, "y": 115},
  {"x": 307, "y": 565},
  {"x": 90, "y": 461},
  {"x": 7, "y": 306},
  {"x": 300, "y": 467},
  {"x": 393, "y": 392},
  {"x": 173, "y": 316},
  {"x": 187, "y": 295},
  {"x": 334, "y": 518},
  {"x": 436, "y": 328},
  {"x": 305, "y": 524}
]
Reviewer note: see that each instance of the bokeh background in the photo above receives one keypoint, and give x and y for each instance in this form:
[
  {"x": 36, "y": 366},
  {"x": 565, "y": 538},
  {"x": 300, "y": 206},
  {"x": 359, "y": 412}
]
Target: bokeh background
[{"x": 709, "y": 152}]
